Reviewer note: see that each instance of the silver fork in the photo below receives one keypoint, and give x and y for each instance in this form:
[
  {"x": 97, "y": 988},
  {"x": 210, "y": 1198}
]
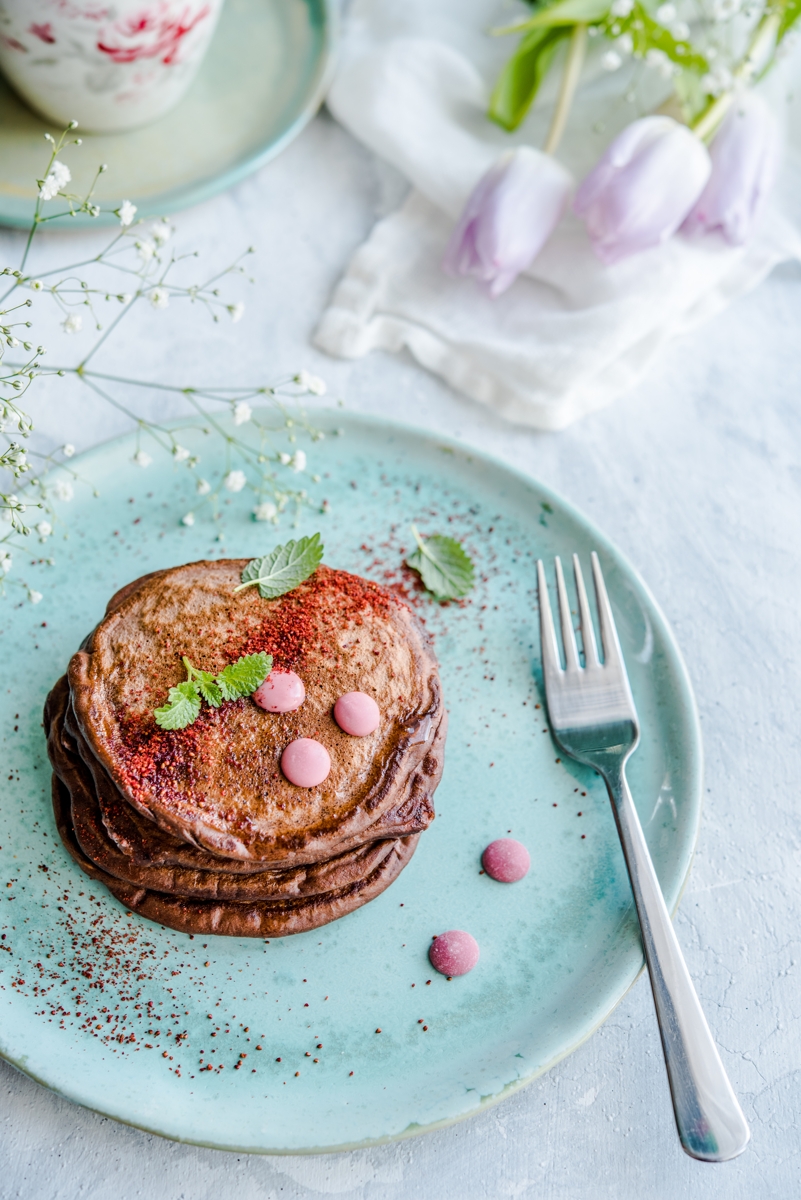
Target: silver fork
[{"x": 593, "y": 719}]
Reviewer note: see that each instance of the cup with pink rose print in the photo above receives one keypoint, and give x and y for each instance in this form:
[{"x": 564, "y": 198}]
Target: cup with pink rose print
[{"x": 110, "y": 65}]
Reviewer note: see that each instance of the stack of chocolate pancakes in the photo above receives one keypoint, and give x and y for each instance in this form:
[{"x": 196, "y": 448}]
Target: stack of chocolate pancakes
[{"x": 199, "y": 828}]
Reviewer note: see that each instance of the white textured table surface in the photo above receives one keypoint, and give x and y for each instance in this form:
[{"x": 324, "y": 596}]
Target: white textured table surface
[{"x": 697, "y": 476}]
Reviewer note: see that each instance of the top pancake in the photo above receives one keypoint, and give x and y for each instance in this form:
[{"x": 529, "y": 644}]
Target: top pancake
[{"x": 218, "y": 783}]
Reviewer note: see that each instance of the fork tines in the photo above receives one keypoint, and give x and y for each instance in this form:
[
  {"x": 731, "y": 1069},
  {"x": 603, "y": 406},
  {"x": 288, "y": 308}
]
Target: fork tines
[{"x": 551, "y": 657}]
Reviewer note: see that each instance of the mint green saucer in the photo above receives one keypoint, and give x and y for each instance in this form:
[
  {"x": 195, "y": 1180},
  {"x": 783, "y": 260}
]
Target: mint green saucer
[
  {"x": 262, "y": 80},
  {"x": 91, "y": 997}
]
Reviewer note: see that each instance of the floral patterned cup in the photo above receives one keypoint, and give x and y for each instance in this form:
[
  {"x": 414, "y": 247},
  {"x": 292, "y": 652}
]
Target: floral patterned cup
[{"x": 110, "y": 65}]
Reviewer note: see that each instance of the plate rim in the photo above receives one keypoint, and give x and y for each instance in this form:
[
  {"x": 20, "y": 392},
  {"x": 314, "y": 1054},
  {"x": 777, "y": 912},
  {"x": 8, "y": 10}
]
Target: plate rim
[
  {"x": 187, "y": 196},
  {"x": 694, "y": 789}
]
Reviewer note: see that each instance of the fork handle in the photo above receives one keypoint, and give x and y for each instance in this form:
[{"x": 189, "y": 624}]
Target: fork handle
[{"x": 710, "y": 1121}]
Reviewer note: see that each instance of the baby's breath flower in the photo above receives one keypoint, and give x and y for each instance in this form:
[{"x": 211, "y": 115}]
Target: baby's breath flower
[
  {"x": 717, "y": 81},
  {"x": 12, "y": 341},
  {"x": 72, "y": 323},
  {"x": 680, "y": 31},
  {"x": 266, "y": 511},
  {"x": 68, "y": 449},
  {"x": 666, "y": 13},
  {"x": 723, "y": 10},
  {"x": 44, "y": 529},
  {"x": 235, "y": 481},
  {"x": 611, "y": 60},
  {"x": 625, "y": 43},
  {"x": 159, "y": 297},
  {"x": 142, "y": 458},
  {"x": 161, "y": 232},
  {"x": 125, "y": 298},
  {"x": 657, "y": 59},
  {"x": 62, "y": 490},
  {"x": 236, "y": 311},
  {"x": 5, "y": 562},
  {"x": 36, "y": 285},
  {"x": 58, "y": 178},
  {"x": 180, "y": 453},
  {"x": 242, "y": 412},
  {"x": 126, "y": 212},
  {"x": 34, "y": 596},
  {"x": 312, "y": 383},
  {"x": 621, "y": 8},
  {"x": 299, "y": 460},
  {"x": 188, "y": 519},
  {"x": 145, "y": 249},
  {"x": 203, "y": 487},
  {"x": 285, "y": 459}
]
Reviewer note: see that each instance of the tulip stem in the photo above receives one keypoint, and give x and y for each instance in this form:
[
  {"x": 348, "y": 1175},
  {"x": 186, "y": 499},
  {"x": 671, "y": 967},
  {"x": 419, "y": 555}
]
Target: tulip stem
[
  {"x": 762, "y": 44},
  {"x": 567, "y": 89}
]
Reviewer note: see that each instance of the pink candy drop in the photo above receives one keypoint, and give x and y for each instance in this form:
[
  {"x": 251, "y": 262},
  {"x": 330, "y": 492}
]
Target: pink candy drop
[
  {"x": 305, "y": 762},
  {"x": 454, "y": 952},
  {"x": 282, "y": 691},
  {"x": 357, "y": 714},
  {"x": 506, "y": 860}
]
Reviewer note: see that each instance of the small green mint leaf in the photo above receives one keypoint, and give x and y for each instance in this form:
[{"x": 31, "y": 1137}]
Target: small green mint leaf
[
  {"x": 244, "y": 676},
  {"x": 181, "y": 709},
  {"x": 284, "y": 568},
  {"x": 208, "y": 688},
  {"x": 444, "y": 567}
]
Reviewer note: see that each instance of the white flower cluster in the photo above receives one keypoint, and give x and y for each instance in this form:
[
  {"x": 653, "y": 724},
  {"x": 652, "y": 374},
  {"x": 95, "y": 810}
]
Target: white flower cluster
[
  {"x": 58, "y": 177},
  {"x": 296, "y": 461},
  {"x": 717, "y": 81},
  {"x": 136, "y": 249},
  {"x": 266, "y": 511},
  {"x": 63, "y": 490},
  {"x": 311, "y": 383},
  {"x": 15, "y": 459},
  {"x": 126, "y": 212},
  {"x": 235, "y": 481}
]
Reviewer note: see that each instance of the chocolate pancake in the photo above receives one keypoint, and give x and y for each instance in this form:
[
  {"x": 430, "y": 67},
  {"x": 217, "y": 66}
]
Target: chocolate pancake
[
  {"x": 260, "y": 884},
  {"x": 217, "y": 785},
  {"x": 277, "y": 918},
  {"x": 140, "y": 839}
]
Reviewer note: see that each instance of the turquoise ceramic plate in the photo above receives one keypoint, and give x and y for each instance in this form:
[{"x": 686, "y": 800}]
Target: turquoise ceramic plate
[
  {"x": 263, "y": 78},
  {"x": 91, "y": 997}
]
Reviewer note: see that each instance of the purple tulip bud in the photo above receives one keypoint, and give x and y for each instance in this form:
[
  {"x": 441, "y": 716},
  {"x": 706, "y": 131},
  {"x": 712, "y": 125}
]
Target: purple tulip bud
[
  {"x": 745, "y": 159},
  {"x": 511, "y": 213},
  {"x": 643, "y": 187}
]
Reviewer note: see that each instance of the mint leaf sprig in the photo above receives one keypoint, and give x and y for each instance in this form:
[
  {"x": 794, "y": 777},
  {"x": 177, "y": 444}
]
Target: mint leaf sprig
[
  {"x": 284, "y": 568},
  {"x": 445, "y": 568},
  {"x": 234, "y": 682}
]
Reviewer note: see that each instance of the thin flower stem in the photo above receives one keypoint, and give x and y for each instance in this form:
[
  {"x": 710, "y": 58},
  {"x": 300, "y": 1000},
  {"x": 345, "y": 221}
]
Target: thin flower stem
[
  {"x": 150, "y": 425},
  {"x": 567, "y": 90},
  {"x": 107, "y": 332},
  {"x": 753, "y": 61}
]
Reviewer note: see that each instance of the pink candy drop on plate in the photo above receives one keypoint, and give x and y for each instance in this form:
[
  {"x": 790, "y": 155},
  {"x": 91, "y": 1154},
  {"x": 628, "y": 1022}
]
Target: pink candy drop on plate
[
  {"x": 454, "y": 953},
  {"x": 506, "y": 860}
]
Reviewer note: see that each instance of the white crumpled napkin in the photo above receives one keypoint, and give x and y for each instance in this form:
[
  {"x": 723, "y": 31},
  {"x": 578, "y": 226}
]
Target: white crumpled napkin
[{"x": 571, "y": 334}]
